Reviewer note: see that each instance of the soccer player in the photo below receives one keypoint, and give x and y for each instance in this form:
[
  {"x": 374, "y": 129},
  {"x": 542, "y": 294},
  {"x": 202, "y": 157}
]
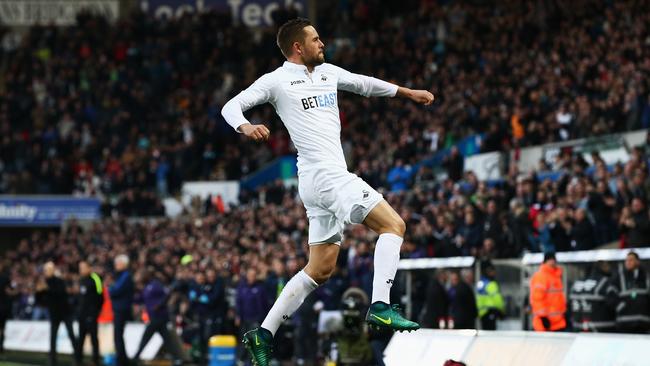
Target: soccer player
[{"x": 304, "y": 93}]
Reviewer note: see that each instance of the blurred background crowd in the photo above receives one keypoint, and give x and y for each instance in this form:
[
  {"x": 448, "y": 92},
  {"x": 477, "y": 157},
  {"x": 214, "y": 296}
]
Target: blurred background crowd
[{"x": 128, "y": 112}]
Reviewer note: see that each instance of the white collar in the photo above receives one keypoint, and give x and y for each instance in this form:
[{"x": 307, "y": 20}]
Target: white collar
[{"x": 296, "y": 67}]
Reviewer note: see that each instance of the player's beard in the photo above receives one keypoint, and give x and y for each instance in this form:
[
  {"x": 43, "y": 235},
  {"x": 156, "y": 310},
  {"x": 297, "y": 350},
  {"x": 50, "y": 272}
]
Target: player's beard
[{"x": 316, "y": 60}]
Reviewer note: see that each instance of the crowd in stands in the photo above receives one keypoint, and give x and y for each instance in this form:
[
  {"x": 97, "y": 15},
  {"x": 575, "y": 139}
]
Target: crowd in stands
[
  {"x": 262, "y": 242},
  {"x": 101, "y": 109}
]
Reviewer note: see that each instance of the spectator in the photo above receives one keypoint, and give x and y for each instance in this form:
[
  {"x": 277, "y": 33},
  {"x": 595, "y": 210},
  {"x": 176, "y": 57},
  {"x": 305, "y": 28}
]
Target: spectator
[
  {"x": 54, "y": 294},
  {"x": 91, "y": 299},
  {"x": 6, "y": 298},
  {"x": 121, "y": 293},
  {"x": 155, "y": 296},
  {"x": 636, "y": 224},
  {"x": 629, "y": 293},
  {"x": 591, "y": 310},
  {"x": 252, "y": 302},
  {"x": 454, "y": 164},
  {"x": 462, "y": 304},
  {"x": 582, "y": 232},
  {"x": 560, "y": 227},
  {"x": 399, "y": 176},
  {"x": 436, "y": 306},
  {"x": 547, "y": 296},
  {"x": 471, "y": 234},
  {"x": 489, "y": 300},
  {"x": 203, "y": 299},
  {"x": 218, "y": 305},
  {"x": 491, "y": 223}
]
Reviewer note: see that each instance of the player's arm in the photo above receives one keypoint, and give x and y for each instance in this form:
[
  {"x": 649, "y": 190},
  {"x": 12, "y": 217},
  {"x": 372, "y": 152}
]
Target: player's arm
[
  {"x": 372, "y": 87},
  {"x": 233, "y": 111},
  {"x": 418, "y": 96}
]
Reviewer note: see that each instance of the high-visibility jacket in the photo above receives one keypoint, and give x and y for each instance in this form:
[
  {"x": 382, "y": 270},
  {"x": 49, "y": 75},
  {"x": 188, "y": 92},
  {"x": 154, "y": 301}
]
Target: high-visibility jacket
[
  {"x": 547, "y": 298},
  {"x": 488, "y": 297},
  {"x": 106, "y": 314}
]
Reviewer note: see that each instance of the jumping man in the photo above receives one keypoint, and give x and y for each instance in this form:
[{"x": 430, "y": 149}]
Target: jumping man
[{"x": 303, "y": 92}]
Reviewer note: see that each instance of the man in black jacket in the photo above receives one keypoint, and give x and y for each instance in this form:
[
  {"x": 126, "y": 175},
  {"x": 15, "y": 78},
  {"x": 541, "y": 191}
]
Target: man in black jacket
[
  {"x": 590, "y": 309},
  {"x": 637, "y": 225},
  {"x": 121, "y": 293},
  {"x": 462, "y": 304},
  {"x": 6, "y": 297},
  {"x": 436, "y": 304},
  {"x": 630, "y": 294},
  {"x": 91, "y": 299},
  {"x": 53, "y": 294}
]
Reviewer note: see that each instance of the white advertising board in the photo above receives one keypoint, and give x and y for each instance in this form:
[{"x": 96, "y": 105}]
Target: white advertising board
[{"x": 34, "y": 336}]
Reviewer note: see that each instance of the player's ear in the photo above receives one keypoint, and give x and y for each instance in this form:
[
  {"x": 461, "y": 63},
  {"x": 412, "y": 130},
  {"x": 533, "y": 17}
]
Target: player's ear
[{"x": 297, "y": 48}]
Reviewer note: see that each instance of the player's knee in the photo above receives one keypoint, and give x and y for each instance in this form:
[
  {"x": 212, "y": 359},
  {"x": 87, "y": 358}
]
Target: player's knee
[
  {"x": 322, "y": 273},
  {"x": 397, "y": 227}
]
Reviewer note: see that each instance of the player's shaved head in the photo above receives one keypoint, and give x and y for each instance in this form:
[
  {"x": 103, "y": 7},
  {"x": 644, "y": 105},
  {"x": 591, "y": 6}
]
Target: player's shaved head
[{"x": 291, "y": 32}]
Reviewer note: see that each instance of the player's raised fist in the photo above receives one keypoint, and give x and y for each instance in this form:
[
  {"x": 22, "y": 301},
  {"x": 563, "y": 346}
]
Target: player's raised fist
[
  {"x": 255, "y": 132},
  {"x": 418, "y": 96},
  {"x": 422, "y": 96}
]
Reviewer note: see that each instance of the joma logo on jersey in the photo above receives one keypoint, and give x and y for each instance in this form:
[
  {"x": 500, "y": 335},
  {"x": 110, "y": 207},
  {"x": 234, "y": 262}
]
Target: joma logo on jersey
[
  {"x": 297, "y": 82},
  {"x": 319, "y": 101}
]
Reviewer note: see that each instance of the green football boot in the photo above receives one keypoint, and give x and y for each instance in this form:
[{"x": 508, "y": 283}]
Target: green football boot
[
  {"x": 384, "y": 316},
  {"x": 259, "y": 343}
]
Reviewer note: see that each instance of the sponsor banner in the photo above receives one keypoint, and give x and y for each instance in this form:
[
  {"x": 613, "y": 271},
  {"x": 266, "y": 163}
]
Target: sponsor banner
[
  {"x": 34, "y": 336},
  {"x": 486, "y": 166},
  {"x": 57, "y": 12},
  {"x": 251, "y": 13},
  {"x": 46, "y": 211}
]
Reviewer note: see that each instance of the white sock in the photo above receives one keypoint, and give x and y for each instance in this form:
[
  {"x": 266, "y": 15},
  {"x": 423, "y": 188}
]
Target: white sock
[
  {"x": 386, "y": 260},
  {"x": 290, "y": 299}
]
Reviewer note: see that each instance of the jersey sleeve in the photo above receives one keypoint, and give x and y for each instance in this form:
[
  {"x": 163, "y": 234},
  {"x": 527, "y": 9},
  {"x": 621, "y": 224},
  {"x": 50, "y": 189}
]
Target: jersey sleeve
[
  {"x": 364, "y": 85},
  {"x": 260, "y": 92}
]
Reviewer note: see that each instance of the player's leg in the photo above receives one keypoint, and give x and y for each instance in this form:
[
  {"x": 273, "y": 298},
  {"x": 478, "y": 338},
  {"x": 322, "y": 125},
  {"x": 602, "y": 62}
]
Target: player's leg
[
  {"x": 389, "y": 225},
  {"x": 322, "y": 260},
  {"x": 324, "y": 239}
]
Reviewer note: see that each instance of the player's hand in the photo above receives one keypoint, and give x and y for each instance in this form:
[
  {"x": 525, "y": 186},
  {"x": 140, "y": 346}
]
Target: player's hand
[
  {"x": 418, "y": 96},
  {"x": 422, "y": 96},
  {"x": 255, "y": 132}
]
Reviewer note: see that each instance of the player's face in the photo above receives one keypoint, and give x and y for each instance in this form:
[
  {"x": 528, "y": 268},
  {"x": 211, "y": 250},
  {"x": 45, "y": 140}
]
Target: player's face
[{"x": 312, "y": 49}]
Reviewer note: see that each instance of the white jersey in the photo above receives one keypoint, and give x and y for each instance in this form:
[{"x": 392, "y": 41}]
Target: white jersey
[{"x": 307, "y": 105}]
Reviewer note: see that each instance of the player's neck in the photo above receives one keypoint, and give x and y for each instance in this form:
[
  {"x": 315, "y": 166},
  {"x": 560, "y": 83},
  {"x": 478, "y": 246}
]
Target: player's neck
[{"x": 298, "y": 61}]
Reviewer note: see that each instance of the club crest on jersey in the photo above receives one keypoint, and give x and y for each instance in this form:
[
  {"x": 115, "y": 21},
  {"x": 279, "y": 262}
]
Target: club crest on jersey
[
  {"x": 319, "y": 101},
  {"x": 323, "y": 77}
]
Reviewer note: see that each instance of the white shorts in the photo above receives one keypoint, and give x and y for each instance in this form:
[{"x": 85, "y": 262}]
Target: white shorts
[{"x": 334, "y": 197}]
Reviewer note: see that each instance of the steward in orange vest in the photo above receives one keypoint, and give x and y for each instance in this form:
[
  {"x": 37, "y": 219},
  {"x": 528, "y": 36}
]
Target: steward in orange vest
[{"x": 547, "y": 296}]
